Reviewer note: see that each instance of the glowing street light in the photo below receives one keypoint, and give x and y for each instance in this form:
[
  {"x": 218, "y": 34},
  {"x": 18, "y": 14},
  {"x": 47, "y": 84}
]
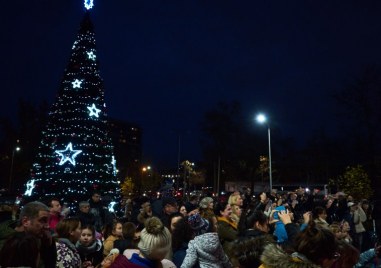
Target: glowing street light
[
  {"x": 262, "y": 119},
  {"x": 144, "y": 169},
  {"x": 15, "y": 149}
]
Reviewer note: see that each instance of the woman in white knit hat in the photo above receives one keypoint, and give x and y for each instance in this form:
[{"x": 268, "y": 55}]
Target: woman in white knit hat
[{"x": 154, "y": 246}]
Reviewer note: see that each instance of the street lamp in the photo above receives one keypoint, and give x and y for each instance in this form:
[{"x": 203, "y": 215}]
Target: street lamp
[
  {"x": 261, "y": 118},
  {"x": 144, "y": 169},
  {"x": 15, "y": 149}
]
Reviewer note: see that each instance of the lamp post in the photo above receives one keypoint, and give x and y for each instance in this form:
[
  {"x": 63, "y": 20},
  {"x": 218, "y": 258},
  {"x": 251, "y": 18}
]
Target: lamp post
[
  {"x": 261, "y": 118},
  {"x": 15, "y": 149}
]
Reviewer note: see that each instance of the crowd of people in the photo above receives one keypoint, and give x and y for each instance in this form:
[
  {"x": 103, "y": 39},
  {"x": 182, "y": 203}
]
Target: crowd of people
[{"x": 293, "y": 229}]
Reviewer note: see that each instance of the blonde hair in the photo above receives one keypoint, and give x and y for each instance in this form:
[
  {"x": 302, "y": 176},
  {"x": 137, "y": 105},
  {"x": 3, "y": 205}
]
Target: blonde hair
[
  {"x": 155, "y": 240},
  {"x": 233, "y": 198}
]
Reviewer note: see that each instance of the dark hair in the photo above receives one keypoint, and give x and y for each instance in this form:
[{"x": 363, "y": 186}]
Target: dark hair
[
  {"x": 20, "y": 251},
  {"x": 349, "y": 255},
  {"x": 128, "y": 230},
  {"x": 96, "y": 192},
  {"x": 90, "y": 227},
  {"x": 110, "y": 227},
  {"x": 316, "y": 243},
  {"x": 49, "y": 202},
  {"x": 221, "y": 206},
  {"x": 66, "y": 226},
  {"x": 247, "y": 252},
  {"x": 249, "y": 221},
  {"x": 173, "y": 215},
  {"x": 317, "y": 211},
  {"x": 31, "y": 210},
  {"x": 182, "y": 233}
]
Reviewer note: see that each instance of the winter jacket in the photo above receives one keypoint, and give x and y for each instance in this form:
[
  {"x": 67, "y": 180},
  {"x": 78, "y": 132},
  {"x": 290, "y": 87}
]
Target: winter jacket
[
  {"x": 54, "y": 219},
  {"x": 274, "y": 257},
  {"x": 48, "y": 253},
  {"x": 359, "y": 217},
  {"x": 206, "y": 250},
  {"x": 121, "y": 261},
  {"x": 86, "y": 218},
  {"x": 365, "y": 258},
  {"x": 92, "y": 253},
  {"x": 67, "y": 254},
  {"x": 123, "y": 244},
  {"x": 108, "y": 244},
  {"x": 322, "y": 223},
  {"x": 227, "y": 232},
  {"x": 7, "y": 229},
  {"x": 133, "y": 257}
]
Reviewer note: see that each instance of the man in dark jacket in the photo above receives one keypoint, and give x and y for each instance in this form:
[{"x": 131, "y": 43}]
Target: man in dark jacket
[
  {"x": 33, "y": 220},
  {"x": 96, "y": 208}
]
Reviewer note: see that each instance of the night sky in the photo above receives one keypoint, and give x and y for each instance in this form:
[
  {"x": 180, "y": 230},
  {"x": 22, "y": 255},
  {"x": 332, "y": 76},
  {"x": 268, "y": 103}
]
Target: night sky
[{"x": 164, "y": 63}]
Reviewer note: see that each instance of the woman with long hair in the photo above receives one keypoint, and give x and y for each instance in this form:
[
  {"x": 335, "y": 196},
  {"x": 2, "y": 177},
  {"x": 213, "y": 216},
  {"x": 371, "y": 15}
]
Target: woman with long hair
[{"x": 69, "y": 232}]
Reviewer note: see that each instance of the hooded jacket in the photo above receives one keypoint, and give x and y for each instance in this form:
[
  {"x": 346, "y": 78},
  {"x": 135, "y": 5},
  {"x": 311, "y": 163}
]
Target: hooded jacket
[
  {"x": 206, "y": 250},
  {"x": 273, "y": 257}
]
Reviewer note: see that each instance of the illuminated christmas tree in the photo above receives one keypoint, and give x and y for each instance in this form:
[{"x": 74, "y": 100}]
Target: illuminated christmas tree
[{"x": 75, "y": 156}]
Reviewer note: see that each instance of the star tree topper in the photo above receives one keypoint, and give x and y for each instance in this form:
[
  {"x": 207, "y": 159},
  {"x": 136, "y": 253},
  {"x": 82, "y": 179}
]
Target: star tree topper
[
  {"x": 68, "y": 154},
  {"x": 89, "y": 4},
  {"x": 93, "y": 110}
]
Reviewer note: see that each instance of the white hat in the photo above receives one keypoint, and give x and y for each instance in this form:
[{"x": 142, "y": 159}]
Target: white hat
[{"x": 350, "y": 204}]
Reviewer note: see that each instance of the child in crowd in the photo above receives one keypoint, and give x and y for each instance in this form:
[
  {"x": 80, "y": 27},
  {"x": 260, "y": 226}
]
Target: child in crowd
[
  {"x": 89, "y": 248},
  {"x": 113, "y": 231}
]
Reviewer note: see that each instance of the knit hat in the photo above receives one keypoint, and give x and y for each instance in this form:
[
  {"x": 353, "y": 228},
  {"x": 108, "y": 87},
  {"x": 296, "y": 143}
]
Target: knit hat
[
  {"x": 204, "y": 203},
  {"x": 155, "y": 240},
  {"x": 198, "y": 224}
]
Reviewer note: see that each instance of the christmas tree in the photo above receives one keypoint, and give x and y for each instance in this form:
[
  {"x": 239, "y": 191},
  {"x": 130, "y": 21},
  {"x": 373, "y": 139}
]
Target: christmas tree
[{"x": 75, "y": 156}]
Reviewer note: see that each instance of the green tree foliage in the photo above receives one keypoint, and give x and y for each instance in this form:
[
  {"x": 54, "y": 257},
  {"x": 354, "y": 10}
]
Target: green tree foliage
[
  {"x": 127, "y": 187},
  {"x": 355, "y": 182}
]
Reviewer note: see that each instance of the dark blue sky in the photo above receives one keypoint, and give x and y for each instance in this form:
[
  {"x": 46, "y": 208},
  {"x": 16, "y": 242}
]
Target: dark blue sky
[{"x": 165, "y": 63}]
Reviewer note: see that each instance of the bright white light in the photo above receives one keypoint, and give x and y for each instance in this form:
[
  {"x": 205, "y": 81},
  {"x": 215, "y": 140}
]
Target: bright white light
[
  {"x": 68, "y": 154},
  {"x": 93, "y": 110},
  {"x": 29, "y": 188},
  {"x": 18, "y": 148},
  {"x": 261, "y": 118},
  {"x": 76, "y": 83},
  {"x": 89, "y": 4},
  {"x": 91, "y": 55},
  {"x": 111, "y": 206}
]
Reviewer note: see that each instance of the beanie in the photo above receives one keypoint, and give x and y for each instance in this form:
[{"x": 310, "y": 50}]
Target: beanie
[
  {"x": 198, "y": 224},
  {"x": 204, "y": 203},
  {"x": 155, "y": 240}
]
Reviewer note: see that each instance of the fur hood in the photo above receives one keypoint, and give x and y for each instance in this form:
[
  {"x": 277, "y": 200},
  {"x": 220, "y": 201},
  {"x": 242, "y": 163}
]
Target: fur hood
[{"x": 273, "y": 257}]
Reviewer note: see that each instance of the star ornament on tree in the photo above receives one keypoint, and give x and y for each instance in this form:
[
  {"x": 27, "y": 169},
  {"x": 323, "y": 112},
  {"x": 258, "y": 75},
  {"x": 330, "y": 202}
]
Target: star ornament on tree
[
  {"x": 68, "y": 154},
  {"x": 76, "y": 83},
  {"x": 91, "y": 55},
  {"x": 29, "y": 188},
  {"x": 93, "y": 110}
]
